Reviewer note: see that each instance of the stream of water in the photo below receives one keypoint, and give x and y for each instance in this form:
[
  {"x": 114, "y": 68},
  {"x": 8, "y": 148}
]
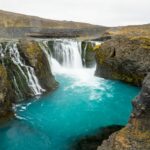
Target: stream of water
[{"x": 80, "y": 106}]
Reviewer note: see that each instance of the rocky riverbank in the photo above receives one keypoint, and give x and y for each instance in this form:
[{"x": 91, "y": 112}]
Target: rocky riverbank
[{"x": 125, "y": 57}]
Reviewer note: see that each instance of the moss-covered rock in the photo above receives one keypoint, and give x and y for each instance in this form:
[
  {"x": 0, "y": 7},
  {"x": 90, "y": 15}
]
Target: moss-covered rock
[
  {"x": 36, "y": 58},
  {"x": 88, "y": 53},
  {"x": 125, "y": 59}
]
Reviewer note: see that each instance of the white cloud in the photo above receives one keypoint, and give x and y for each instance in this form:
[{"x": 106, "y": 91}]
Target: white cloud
[{"x": 103, "y": 12}]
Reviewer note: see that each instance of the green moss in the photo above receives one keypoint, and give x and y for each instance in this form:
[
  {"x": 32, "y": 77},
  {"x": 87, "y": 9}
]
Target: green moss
[{"x": 133, "y": 79}]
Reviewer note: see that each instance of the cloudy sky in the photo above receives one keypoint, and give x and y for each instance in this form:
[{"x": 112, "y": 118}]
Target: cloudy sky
[{"x": 102, "y": 12}]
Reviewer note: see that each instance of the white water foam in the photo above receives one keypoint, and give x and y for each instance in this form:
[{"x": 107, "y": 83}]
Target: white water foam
[{"x": 66, "y": 60}]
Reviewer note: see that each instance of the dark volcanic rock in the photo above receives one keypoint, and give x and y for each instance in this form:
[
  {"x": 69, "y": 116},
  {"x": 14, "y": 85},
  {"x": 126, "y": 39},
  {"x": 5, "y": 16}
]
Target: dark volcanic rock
[
  {"x": 136, "y": 135},
  {"x": 91, "y": 142}
]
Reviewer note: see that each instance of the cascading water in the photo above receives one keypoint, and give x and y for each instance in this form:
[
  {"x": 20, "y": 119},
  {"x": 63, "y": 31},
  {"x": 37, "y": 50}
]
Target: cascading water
[
  {"x": 68, "y": 53},
  {"x": 66, "y": 57},
  {"x": 10, "y": 52}
]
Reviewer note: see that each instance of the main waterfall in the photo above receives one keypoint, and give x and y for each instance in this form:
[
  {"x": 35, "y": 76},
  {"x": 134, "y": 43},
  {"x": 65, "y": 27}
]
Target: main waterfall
[
  {"x": 65, "y": 57},
  {"x": 65, "y": 53},
  {"x": 68, "y": 53}
]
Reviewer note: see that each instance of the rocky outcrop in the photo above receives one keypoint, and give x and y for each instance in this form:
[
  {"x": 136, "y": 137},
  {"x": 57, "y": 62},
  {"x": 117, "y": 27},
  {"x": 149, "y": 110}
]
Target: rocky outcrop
[
  {"x": 35, "y": 57},
  {"x": 136, "y": 135},
  {"x": 24, "y": 72},
  {"x": 88, "y": 53},
  {"x": 124, "y": 58},
  {"x": 6, "y": 94}
]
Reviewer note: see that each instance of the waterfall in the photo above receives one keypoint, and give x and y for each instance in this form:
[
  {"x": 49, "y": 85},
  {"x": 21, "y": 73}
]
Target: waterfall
[
  {"x": 64, "y": 55},
  {"x": 84, "y": 53},
  {"x": 11, "y": 53},
  {"x": 67, "y": 53}
]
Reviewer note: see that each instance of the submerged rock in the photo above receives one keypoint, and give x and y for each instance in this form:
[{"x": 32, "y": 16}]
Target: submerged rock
[
  {"x": 91, "y": 142},
  {"x": 136, "y": 135}
]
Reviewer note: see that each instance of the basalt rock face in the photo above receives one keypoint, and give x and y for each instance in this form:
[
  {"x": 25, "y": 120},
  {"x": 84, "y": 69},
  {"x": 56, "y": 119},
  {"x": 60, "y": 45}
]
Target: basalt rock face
[
  {"x": 136, "y": 135},
  {"x": 124, "y": 58},
  {"x": 24, "y": 72}
]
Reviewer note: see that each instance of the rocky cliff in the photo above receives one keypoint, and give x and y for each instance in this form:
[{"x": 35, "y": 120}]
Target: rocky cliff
[
  {"x": 126, "y": 55},
  {"x": 136, "y": 135}
]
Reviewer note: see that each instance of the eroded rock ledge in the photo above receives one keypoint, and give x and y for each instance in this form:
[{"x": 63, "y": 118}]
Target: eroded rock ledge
[
  {"x": 136, "y": 135},
  {"x": 124, "y": 58}
]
